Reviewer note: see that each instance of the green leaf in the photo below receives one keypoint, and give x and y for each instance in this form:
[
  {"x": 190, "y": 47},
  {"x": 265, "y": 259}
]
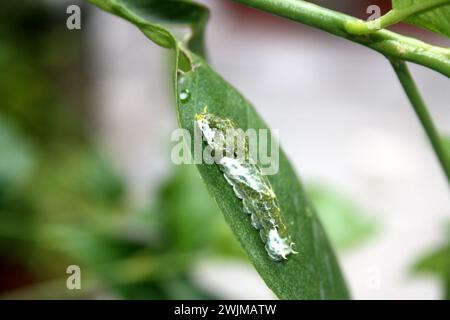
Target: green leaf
[
  {"x": 150, "y": 15},
  {"x": 437, "y": 263},
  {"x": 436, "y": 19},
  {"x": 345, "y": 223},
  {"x": 314, "y": 272}
]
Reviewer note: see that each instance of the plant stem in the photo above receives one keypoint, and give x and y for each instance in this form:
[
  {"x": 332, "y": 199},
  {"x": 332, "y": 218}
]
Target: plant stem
[
  {"x": 386, "y": 42},
  {"x": 422, "y": 113},
  {"x": 359, "y": 27}
]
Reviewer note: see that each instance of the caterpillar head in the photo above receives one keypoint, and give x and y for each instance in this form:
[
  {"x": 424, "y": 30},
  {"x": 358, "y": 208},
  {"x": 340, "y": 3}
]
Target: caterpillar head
[{"x": 277, "y": 247}]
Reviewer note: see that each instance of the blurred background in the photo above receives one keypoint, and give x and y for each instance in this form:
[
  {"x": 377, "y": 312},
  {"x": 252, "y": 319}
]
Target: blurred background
[{"x": 86, "y": 177}]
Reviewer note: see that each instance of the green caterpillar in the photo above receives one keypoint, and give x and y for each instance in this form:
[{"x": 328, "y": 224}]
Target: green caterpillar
[{"x": 249, "y": 185}]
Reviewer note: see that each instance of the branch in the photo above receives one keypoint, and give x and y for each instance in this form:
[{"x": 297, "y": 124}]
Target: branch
[
  {"x": 391, "y": 44},
  {"x": 420, "y": 108}
]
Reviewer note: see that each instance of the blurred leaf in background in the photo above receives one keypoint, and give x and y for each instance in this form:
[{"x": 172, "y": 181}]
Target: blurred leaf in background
[
  {"x": 147, "y": 254},
  {"x": 437, "y": 263},
  {"x": 346, "y": 224}
]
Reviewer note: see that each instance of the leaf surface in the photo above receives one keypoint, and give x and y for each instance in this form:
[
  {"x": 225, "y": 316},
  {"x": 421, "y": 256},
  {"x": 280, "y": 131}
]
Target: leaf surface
[
  {"x": 314, "y": 272},
  {"x": 436, "y": 19},
  {"x": 346, "y": 224}
]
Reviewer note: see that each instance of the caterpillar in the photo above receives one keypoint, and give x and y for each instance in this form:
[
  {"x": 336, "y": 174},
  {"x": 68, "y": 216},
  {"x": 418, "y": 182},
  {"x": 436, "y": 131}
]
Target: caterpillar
[{"x": 249, "y": 185}]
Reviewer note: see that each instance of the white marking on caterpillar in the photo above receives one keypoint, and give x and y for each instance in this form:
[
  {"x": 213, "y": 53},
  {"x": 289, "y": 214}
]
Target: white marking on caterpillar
[{"x": 249, "y": 185}]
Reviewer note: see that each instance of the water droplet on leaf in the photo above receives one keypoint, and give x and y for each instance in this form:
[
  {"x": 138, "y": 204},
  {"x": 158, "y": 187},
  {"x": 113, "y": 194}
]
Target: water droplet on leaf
[{"x": 185, "y": 95}]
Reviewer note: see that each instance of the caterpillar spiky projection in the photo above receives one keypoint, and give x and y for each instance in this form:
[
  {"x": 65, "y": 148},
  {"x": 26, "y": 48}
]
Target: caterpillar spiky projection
[{"x": 249, "y": 184}]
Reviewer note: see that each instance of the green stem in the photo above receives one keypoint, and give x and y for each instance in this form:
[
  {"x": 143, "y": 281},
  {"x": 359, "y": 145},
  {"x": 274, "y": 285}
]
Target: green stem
[
  {"x": 422, "y": 113},
  {"x": 359, "y": 27},
  {"x": 386, "y": 42}
]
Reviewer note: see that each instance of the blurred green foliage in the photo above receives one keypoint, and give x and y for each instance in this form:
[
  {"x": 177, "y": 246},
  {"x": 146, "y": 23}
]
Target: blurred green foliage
[
  {"x": 437, "y": 263},
  {"x": 62, "y": 203},
  {"x": 346, "y": 224},
  {"x": 40, "y": 64}
]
